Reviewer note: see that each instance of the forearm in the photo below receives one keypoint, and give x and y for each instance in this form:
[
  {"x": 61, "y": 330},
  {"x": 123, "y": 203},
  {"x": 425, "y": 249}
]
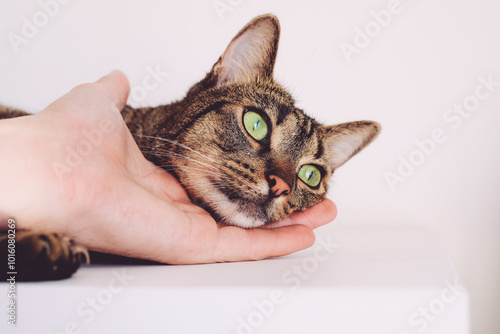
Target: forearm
[
  {"x": 23, "y": 184},
  {"x": 9, "y": 190}
]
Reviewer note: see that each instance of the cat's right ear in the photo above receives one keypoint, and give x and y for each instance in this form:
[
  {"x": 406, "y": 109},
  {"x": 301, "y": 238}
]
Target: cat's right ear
[
  {"x": 347, "y": 139},
  {"x": 251, "y": 54}
]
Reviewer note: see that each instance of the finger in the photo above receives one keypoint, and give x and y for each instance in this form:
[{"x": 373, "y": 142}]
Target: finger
[
  {"x": 136, "y": 223},
  {"x": 162, "y": 184},
  {"x": 314, "y": 217},
  {"x": 237, "y": 244},
  {"x": 117, "y": 87}
]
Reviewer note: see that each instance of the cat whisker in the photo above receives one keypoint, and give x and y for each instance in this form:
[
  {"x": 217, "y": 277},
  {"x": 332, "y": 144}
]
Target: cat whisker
[
  {"x": 202, "y": 144},
  {"x": 306, "y": 68},
  {"x": 182, "y": 156},
  {"x": 215, "y": 173},
  {"x": 180, "y": 145},
  {"x": 179, "y": 155},
  {"x": 197, "y": 161}
]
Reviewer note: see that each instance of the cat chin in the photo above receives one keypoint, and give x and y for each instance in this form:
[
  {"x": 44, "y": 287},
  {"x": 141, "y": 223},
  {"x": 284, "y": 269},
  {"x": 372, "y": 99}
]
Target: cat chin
[
  {"x": 243, "y": 220},
  {"x": 246, "y": 215}
]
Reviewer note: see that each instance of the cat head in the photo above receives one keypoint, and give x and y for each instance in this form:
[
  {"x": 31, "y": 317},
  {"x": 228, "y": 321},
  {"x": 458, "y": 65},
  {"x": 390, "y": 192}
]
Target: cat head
[{"x": 244, "y": 150}]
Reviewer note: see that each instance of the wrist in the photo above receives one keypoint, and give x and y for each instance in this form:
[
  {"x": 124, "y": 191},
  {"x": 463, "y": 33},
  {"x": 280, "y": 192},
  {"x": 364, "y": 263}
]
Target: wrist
[{"x": 23, "y": 175}]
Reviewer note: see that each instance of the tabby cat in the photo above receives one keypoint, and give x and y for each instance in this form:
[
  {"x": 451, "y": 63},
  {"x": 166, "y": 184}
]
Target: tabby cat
[{"x": 236, "y": 142}]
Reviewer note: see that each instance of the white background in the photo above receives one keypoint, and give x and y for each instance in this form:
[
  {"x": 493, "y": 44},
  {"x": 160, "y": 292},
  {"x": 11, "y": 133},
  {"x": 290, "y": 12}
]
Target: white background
[{"x": 426, "y": 60}]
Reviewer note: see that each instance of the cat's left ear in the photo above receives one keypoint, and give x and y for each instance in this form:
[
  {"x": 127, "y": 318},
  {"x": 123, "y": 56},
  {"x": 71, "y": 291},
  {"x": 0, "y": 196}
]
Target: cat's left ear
[
  {"x": 346, "y": 139},
  {"x": 251, "y": 54}
]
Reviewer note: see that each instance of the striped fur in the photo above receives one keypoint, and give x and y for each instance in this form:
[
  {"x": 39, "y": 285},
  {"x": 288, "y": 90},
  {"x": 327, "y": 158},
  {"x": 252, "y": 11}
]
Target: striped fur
[{"x": 202, "y": 141}]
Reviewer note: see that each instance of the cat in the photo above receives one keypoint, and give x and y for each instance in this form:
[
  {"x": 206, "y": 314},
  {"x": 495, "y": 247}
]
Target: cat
[{"x": 236, "y": 142}]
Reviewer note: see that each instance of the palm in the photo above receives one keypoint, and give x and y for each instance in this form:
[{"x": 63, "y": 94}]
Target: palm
[{"x": 128, "y": 206}]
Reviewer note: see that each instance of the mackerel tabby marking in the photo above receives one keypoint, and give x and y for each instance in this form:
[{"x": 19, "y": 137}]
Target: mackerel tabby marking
[{"x": 204, "y": 142}]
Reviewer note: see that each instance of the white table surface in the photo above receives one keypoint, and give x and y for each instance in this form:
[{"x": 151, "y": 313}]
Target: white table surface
[{"x": 354, "y": 280}]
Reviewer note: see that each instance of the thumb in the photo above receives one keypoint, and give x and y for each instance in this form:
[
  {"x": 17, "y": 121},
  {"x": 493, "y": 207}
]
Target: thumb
[{"x": 117, "y": 87}]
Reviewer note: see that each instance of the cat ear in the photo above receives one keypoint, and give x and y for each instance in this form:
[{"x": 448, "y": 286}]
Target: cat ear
[
  {"x": 346, "y": 139},
  {"x": 251, "y": 54}
]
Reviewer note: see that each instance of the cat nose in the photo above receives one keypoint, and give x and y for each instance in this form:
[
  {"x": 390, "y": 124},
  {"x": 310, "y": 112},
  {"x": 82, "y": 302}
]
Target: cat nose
[{"x": 277, "y": 186}]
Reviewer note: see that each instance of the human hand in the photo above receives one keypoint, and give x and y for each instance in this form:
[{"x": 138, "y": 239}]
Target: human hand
[{"x": 75, "y": 168}]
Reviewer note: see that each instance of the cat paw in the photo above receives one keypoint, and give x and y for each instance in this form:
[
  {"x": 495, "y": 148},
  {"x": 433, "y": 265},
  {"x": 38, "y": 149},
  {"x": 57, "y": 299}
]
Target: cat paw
[{"x": 43, "y": 256}]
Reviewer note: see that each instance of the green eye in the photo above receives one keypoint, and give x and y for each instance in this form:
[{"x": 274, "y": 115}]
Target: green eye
[
  {"x": 310, "y": 175},
  {"x": 255, "y": 125}
]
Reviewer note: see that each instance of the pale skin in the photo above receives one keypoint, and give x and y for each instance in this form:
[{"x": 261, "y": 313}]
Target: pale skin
[{"x": 112, "y": 199}]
